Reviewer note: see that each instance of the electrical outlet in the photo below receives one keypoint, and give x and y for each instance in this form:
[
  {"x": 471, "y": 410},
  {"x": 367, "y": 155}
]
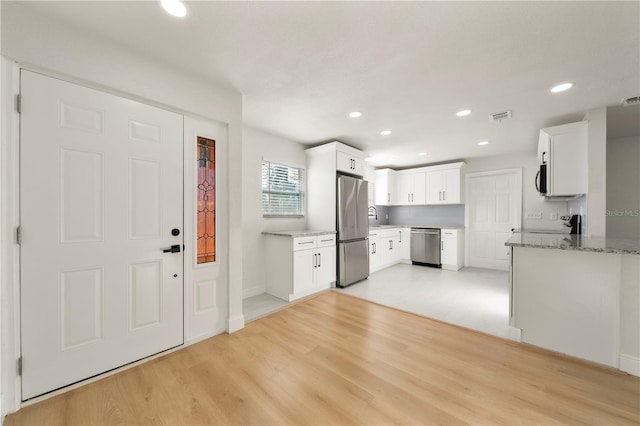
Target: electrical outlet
[
  {"x": 553, "y": 216},
  {"x": 535, "y": 215},
  {"x": 386, "y": 216}
]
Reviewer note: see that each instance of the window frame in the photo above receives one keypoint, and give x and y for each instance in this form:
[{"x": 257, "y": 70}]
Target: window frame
[{"x": 301, "y": 190}]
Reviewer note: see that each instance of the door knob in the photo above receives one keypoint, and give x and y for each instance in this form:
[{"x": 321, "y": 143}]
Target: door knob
[{"x": 173, "y": 249}]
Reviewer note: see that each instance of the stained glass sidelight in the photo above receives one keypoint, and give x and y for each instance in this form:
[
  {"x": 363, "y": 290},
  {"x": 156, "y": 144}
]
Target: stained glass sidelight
[{"x": 206, "y": 232}]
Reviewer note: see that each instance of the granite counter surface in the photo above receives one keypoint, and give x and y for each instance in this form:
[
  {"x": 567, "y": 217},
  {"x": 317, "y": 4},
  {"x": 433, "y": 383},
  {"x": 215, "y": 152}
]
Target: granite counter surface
[
  {"x": 575, "y": 242},
  {"x": 294, "y": 234},
  {"x": 374, "y": 227}
]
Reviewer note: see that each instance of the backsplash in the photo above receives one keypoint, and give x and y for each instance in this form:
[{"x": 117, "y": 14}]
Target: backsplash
[
  {"x": 449, "y": 215},
  {"x": 383, "y": 216}
]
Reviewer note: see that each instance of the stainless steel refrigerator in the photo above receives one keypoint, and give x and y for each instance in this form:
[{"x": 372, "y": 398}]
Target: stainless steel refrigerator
[{"x": 353, "y": 230}]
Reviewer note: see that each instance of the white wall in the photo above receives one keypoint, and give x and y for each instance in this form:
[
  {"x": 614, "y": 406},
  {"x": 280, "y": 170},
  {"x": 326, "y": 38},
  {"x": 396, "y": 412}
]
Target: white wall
[
  {"x": 597, "y": 158},
  {"x": 623, "y": 187},
  {"x": 43, "y": 44},
  {"x": 532, "y": 202},
  {"x": 256, "y": 146}
]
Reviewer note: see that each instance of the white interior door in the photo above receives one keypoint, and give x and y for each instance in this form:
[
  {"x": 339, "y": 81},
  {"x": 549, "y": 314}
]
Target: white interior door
[
  {"x": 101, "y": 191},
  {"x": 494, "y": 201}
]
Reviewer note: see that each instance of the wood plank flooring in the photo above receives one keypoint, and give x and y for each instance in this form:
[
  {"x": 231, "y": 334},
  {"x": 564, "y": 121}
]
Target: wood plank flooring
[{"x": 336, "y": 359}]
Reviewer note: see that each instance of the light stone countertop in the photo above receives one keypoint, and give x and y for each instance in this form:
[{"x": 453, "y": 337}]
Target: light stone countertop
[
  {"x": 294, "y": 234},
  {"x": 374, "y": 227},
  {"x": 575, "y": 242}
]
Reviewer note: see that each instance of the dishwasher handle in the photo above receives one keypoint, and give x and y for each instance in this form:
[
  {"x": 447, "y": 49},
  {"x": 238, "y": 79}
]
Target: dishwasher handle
[{"x": 426, "y": 231}]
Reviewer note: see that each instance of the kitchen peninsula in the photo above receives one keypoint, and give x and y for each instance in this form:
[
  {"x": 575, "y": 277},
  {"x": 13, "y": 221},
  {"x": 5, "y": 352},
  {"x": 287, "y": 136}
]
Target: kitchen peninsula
[{"x": 578, "y": 295}]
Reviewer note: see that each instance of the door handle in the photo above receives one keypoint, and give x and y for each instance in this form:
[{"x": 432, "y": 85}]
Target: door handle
[{"x": 173, "y": 249}]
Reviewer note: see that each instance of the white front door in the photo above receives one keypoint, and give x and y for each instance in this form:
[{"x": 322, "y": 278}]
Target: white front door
[
  {"x": 101, "y": 198},
  {"x": 494, "y": 201}
]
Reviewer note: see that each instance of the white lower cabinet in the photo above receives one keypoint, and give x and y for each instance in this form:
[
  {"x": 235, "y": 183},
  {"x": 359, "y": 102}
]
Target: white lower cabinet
[
  {"x": 404, "y": 244},
  {"x": 298, "y": 267},
  {"x": 389, "y": 248},
  {"x": 452, "y": 253},
  {"x": 374, "y": 254}
]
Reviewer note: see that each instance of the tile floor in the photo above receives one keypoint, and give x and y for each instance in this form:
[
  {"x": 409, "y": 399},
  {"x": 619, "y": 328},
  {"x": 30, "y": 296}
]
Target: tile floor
[{"x": 471, "y": 297}]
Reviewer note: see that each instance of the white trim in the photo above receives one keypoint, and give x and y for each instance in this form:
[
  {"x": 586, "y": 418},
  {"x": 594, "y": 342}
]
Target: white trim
[
  {"x": 253, "y": 291},
  {"x": 630, "y": 364},
  {"x": 518, "y": 172},
  {"x": 10, "y": 384},
  {"x": 234, "y": 324}
]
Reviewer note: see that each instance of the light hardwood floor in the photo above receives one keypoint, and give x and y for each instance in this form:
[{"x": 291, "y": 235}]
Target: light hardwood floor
[{"x": 336, "y": 359}]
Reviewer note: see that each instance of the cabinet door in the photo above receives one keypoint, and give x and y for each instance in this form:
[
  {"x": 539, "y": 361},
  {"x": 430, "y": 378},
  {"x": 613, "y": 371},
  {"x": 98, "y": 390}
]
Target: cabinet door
[
  {"x": 404, "y": 184},
  {"x": 358, "y": 166},
  {"x": 304, "y": 266},
  {"x": 393, "y": 249},
  {"x": 326, "y": 270},
  {"x": 385, "y": 188},
  {"x": 451, "y": 186},
  {"x": 419, "y": 193},
  {"x": 449, "y": 255},
  {"x": 349, "y": 163},
  {"x": 374, "y": 256},
  {"x": 434, "y": 187},
  {"x": 404, "y": 244}
]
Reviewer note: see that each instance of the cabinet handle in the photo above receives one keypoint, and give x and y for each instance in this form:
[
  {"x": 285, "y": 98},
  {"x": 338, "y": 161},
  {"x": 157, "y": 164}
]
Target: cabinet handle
[
  {"x": 305, "y": 242},
  {"x": 408, "y": 198},
  {"x": 412, "y": 197},
  {"x": 388, "y": 197},
  {"x": 390, "y": 244},
  {"x": 315, "y": 260},
  {"x": 400, "y": 232},
  {"x": 444, "y": 195},
  {"x": 441, "y": 245},
  {"x": 319, "y": 260},
  {"x": 375, "y": 249}
]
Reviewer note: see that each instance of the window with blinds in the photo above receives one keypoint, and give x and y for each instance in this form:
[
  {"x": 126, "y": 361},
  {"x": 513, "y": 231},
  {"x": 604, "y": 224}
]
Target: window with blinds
[{"x": 282, "y": 190}]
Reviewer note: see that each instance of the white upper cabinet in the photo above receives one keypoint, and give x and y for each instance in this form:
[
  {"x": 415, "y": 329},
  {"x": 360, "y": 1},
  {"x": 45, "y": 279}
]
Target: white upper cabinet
[
  {"x": 385, "y": 187},
  {"x": 350, "y": 161},
  {"x": 444, "y": 184},
  {"x": 564, "y": 150},
  {"x": 411, "y": 187}
]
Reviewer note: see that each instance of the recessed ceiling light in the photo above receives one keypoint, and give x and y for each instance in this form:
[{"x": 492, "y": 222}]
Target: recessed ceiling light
[
  {"x": 463, "y": 112},
  {"x": 385, "y": 132},
  {"x": 561, "y": 87},
  {"x": 355, "y": 114},
  {"x": 483, "y": 143},
  {"x": 422, "y": 153},
  {"x": 174, "y": 7}
]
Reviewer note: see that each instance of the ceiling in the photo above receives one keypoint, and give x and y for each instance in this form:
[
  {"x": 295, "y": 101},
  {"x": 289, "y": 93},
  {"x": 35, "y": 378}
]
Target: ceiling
[{"x": 407, "y": 66}]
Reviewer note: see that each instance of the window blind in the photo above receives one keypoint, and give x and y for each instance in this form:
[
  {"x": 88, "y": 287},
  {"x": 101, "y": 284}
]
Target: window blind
[{"x": 282, "y": 190}]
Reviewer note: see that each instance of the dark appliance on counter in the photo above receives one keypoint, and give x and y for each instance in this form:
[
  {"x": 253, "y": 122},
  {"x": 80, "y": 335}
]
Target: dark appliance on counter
[
  {"x": 574, "y": 222},
  {"x": 425, "y": 247},
  {"x": 353, "y": 230}
]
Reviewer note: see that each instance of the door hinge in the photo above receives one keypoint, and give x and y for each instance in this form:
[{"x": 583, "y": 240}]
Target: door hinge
[
  {"x": 19, "y": 366},
  {"x": 18, "y": 235},
  {"x": 19, "y": 103}
]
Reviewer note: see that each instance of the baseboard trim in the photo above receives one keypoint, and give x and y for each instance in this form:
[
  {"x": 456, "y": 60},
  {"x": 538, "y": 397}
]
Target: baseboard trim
[
  {"x": 253, "y": 291},
  {"x": 630, "y": 364},
  {"x": 234, "y": 324}
]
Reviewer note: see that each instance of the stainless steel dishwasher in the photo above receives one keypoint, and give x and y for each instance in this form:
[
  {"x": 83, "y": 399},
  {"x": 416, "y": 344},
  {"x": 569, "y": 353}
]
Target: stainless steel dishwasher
[{"x": 425, "y": 246}]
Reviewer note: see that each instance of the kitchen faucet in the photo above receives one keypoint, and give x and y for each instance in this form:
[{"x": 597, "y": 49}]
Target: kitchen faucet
[{"x": 374, "y": 213}]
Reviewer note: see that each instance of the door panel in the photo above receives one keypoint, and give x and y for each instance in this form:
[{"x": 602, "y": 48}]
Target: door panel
[
  {"x": 493, "y": 211},
  {"x": 101, "y": 189}
]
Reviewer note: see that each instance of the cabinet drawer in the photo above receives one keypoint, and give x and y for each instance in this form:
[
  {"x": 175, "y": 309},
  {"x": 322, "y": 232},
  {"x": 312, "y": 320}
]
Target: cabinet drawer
[
  {"x": 326, "y": 240},
  {"x": 304, "y": 243},
  {"x": 449, "y": 233},
  {"x": 389, "y": 233}
]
